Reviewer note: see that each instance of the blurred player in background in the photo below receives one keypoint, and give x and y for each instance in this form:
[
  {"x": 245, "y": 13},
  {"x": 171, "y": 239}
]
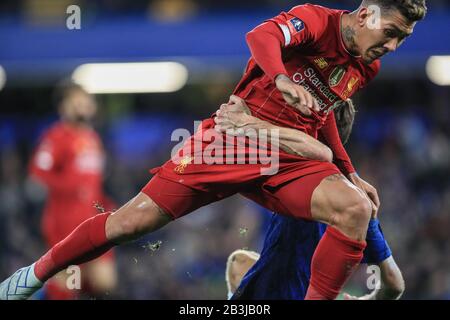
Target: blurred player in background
[
  {"x": 282, "y": 271},
  {"x": 69, "y": 162}
]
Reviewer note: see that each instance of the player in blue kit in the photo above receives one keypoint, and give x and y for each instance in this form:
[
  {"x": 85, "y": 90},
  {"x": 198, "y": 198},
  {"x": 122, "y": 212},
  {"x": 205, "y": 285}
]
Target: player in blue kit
[{"x": 283, "y": 271}]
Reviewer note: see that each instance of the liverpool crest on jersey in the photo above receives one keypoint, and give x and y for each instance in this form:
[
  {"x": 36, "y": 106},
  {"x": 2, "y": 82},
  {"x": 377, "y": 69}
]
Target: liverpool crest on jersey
[
  {"x": 350, "y": 86},
  {"x": 336, "y": 76},
  {"x": 184, "y": 163}
]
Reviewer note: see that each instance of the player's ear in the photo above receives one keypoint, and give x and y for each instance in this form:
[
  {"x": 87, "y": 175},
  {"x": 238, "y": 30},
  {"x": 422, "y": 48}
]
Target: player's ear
[{"x": 362, "y": 16}]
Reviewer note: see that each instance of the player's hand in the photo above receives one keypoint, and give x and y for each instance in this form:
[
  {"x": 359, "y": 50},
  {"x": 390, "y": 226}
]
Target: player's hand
[
  {"x": 369, "y": 190},
  {"x": 233, "y": 117},
  {"x": 296, "y": 95}
]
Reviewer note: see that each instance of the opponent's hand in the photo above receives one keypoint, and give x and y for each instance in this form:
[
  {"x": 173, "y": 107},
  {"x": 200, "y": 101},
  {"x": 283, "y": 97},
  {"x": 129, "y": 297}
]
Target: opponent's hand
[
  {"x": 296, "y": 95},
  {"x": 233, "y": 117},
  {"x": 369, "y": 190}
]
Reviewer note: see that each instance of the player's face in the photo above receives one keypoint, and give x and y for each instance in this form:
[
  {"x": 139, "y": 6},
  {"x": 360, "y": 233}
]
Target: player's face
[
  {"x": 376, "y": 40},
  {"x": 240, "y": 267},
  {"x": 78, "y": 106}
]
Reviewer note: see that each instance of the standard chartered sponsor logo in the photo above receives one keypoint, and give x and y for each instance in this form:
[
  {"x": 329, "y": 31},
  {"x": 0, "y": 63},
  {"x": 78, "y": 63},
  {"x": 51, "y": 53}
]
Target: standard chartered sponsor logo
[{"x": 315, "y": 85}]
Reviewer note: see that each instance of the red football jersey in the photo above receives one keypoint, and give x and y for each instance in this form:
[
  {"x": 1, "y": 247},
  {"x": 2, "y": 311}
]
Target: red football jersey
[
  {"x": 69, "y": 160},
  {"x": 314, "y": 56}
]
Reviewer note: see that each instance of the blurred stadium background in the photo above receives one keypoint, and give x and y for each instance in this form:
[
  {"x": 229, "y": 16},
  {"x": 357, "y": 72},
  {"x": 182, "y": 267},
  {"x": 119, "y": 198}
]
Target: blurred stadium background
[{"x": 401, "y": 142}]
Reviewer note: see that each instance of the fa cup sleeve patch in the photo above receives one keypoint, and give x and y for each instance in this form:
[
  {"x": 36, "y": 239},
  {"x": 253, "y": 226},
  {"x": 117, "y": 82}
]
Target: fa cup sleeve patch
[{"x": 296, "y": 25}]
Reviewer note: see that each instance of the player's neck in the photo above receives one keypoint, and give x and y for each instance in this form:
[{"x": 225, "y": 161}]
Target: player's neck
[
  {"x": 348, "y": 33},
  {"x": 76, "y": 124}
]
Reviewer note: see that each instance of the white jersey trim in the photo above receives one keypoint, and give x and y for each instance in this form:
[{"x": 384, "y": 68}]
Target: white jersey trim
[{"x": 287, "y": 34}]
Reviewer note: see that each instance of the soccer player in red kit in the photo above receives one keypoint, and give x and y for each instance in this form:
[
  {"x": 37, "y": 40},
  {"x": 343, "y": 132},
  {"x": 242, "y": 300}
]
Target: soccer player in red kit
[
  {"x": 304, "y": 64},
  {"x": 69, "y": 162}
]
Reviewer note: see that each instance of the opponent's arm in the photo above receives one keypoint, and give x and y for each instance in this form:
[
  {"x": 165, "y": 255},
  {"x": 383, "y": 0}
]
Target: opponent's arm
[
  {"x": 330, "y": 135},
  {"x": 235, "y": 118},
  {"x": 392, "y": 283},
  {"x": 378, "y": 252}
]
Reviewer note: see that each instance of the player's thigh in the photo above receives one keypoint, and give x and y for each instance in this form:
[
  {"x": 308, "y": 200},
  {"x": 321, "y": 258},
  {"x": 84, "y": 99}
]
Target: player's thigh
[
  {"x": 177, "y": 199},
  {"x": 336, "y": 200},
  {"x": 292, "y": 198}
]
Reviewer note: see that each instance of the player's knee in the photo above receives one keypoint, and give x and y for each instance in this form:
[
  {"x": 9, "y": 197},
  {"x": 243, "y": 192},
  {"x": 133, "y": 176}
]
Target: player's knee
[
  {"x": 354, "y": 216},
  {"x": 358, "y": 212},
  {"x": 135, "y": 220}
]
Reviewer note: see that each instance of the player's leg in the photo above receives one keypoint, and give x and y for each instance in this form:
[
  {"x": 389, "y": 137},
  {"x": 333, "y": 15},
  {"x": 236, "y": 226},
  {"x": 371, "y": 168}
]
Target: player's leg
[
  {"x": 56, "y": 288},
  {"x": 327, "y": 197},
  {"x": 339, "y": 203},
  {"x": 89, "y": 240},
  {"x": 97, "y": 278},
  {"x": 97, "y": 235},
  {"x": 283, "y": 270},
  {"x": 379, "y": 253},
  {"x": 347, "y": 210}
]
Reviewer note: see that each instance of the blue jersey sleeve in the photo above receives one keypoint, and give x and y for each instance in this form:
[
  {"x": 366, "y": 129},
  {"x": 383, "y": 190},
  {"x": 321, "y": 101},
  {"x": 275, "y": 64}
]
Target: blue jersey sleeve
[{"x": 377, "y": 249}]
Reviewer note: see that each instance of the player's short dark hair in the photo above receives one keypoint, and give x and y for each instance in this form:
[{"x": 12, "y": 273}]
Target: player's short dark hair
[
  {"x": 345, "y": 117},
  {"x": 412, "y": 10},
  {"x": 63, "y": 89}
]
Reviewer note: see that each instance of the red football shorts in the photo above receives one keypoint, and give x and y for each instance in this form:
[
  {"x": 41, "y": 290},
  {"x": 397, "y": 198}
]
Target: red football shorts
[{"x": 181, "y": 187}]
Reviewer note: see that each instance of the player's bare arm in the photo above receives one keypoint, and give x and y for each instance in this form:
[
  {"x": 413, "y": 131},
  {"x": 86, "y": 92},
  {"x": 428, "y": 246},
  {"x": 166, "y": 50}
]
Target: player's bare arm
[
  {"x": 392, "y": 283},
  {"x": 235, "y": 118}
]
